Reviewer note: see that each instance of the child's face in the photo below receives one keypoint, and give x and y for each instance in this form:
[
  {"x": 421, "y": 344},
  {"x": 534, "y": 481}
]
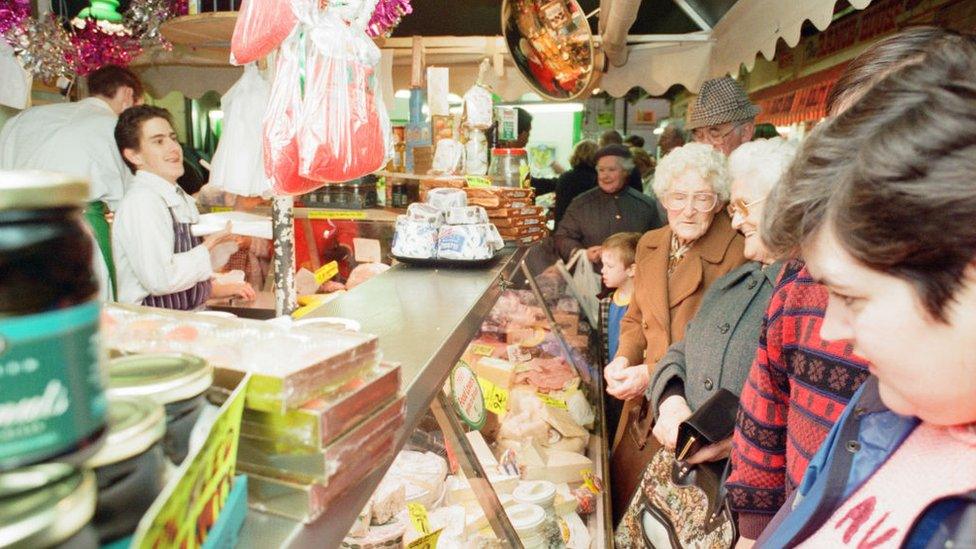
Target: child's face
[{"x": 615, "y": 273}]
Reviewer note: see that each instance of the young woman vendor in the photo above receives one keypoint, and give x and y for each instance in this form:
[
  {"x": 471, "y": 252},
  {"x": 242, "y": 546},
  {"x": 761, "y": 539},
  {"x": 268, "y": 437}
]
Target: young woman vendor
[{"x": 158, "y": 260}]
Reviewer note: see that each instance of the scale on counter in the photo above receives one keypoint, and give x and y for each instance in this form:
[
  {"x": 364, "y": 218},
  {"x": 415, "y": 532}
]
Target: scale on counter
[{"x": 553, "y": 47}]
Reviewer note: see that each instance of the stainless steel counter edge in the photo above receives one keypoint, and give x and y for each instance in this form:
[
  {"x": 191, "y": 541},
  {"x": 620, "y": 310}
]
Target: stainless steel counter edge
[{"x": 424, "y": 319}]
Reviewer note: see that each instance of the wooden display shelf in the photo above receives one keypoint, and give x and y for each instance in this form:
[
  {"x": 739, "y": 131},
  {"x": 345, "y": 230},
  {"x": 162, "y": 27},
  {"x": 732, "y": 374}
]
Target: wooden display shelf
[{"x": 206, "y": 30}]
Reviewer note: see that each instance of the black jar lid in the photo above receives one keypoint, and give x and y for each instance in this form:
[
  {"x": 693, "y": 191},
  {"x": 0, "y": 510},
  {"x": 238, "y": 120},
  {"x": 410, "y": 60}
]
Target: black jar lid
[
  {"x": 44, "y": 505},
  {"x": 134, "y": 426},
  {"x": 34, "y": 189}
]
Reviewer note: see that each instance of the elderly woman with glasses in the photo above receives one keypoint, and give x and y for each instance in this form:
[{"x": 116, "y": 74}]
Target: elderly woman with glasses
[
  {"x": 720, "y": 342},
  {"x": 675, "y": 266}
]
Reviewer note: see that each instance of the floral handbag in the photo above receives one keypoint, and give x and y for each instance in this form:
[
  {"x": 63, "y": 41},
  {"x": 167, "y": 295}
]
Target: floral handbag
[{"x": 679, "y": 506}]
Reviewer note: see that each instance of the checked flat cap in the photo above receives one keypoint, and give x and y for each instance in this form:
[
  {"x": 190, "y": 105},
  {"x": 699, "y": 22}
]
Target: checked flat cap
[{"x": 720, "y": 100}]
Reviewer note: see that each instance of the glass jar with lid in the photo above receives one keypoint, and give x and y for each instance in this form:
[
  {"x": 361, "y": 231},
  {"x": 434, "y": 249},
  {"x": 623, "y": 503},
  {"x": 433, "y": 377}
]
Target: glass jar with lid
[
  {"x": 47, "y": 505},
  {"x": 508, "y": 167},
  {"x": 49, "y": 315}
]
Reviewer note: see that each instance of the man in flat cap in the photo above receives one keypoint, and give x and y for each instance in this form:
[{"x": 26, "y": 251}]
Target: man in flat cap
[
  {"x": 611, "y": 208},
  {"x": 721, "y": 115}
]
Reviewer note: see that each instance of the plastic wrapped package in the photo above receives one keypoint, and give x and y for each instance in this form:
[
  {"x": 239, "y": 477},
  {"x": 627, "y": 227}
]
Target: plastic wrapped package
[
  {"x": 273, "y": 458},
  {"x": 344, "y": 131},
  {"x": 280, "y": 124},
  {"x": 321, "y": 421},
  {"x": 262, "y": 25},
  {"x": 425, "y": 213},
  {"x": 478, "y": 110},
  {"x": 447, "y": 198},
  {"x": 468, "y": 215},
  {"x": 476, "y": 153},
  {"x": 289, "y": 366},
  {"x": 464, "y": 242},
  {"x": 237, "y": 166},
  {"x": 414, "y": 239},
  {"x": 448, "y": 157}
]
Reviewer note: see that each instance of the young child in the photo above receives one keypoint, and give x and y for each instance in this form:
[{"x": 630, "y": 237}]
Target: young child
[{"x": 617, "y": 256}]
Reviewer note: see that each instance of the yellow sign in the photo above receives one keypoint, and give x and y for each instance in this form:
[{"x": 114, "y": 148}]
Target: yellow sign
[
  {"x": 496, "y": 398},
  {"x": 418, "y": 517},
  {"x": 482, "y": 349},
  {"x": 426, "y": 542},
  {"x": 337, "y": 214},
  {"x": 326, "y": 272},
  {"x": 554, "y": 402},
  {"x": 190, "y": 503},
  {"x": 477, "y": 182},
  {"x": 215, "y": 209},
  {"x": 302, "y": 311}
]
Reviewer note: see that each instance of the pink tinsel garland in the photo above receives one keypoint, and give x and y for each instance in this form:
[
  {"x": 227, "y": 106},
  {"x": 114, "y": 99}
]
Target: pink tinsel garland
[{"x": 387, "y": 16}]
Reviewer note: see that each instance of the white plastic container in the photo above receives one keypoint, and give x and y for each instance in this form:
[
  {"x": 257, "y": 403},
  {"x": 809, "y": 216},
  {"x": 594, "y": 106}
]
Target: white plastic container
[{"x": 529, "y": 521}]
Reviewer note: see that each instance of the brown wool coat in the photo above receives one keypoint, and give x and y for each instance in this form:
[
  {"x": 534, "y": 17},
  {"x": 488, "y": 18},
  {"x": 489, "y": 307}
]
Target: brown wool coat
[{"x": 657, "y": 316}]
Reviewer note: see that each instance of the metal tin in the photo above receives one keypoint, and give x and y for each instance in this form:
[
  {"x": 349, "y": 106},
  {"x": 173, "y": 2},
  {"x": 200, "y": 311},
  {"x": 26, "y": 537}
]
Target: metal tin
[
  {"x": 47, "y": 505},
  {"x": 176, "y": 381},
  {"x": 130, "y": 468},
  {"x": 34, "y": 190}
]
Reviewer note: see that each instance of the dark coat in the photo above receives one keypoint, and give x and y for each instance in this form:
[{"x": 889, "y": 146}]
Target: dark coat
[
  {"x": 571, "y": 184},
  {"x": 595, "y": 215}
]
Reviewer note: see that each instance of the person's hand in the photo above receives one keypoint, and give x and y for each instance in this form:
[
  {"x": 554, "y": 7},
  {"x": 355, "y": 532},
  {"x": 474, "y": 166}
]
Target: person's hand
[
  {"x": 242, "y": 290},
  {"x": 558, "y": 168},
  {"x": 212, "y": 241},
  {"x": 613, "y": 369},
  {"x": 630, "y": 382},
  {"x": 671, "y": 412},
  {"x": 593, "y": 253},
  {"x": 745, "y": 543},
  {"x": 713, "y": 452}
]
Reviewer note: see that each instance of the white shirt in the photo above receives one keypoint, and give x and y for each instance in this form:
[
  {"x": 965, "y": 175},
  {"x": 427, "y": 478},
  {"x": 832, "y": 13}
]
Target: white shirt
[
  {"x": 73, "y": 138},
  {"x": 143, "y": 241}
]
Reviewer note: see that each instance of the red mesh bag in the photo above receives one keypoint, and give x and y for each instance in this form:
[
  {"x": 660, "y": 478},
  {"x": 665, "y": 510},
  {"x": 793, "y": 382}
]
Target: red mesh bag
[{"x": 262, "y": 25}]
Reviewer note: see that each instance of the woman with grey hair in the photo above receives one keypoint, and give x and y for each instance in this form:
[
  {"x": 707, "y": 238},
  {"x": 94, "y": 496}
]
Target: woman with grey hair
[
  {"x": 675, "y": 266},
  {"x": 720, "y": 342},
  {"x": 611, "y": 208}
]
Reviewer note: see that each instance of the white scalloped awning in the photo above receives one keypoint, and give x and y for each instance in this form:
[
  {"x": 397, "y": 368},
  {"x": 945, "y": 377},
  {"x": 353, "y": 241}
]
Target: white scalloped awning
[{"x": 750, "y": 27}]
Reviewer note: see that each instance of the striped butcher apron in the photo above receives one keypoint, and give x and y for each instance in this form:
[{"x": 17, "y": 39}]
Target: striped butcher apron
[{"x": 193, "y": 297}]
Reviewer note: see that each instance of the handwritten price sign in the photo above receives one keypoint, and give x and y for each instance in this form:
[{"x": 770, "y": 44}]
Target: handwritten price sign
[{"x": 496, "y": 398}]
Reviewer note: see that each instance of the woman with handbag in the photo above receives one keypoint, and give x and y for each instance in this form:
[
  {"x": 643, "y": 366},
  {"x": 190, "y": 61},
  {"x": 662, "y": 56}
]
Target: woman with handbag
[
  {"x": 879, "y": 205},
  {"x": 675, "y": 265},
  {"x": 720, "y": 341}
]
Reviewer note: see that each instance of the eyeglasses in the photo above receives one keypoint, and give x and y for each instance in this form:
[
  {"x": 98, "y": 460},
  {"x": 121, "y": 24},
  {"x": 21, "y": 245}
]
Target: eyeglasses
[
  {"x": 739, "y": 206},
  {"x": 702, "y": 202},
  {"x": 714, "y": 134}
]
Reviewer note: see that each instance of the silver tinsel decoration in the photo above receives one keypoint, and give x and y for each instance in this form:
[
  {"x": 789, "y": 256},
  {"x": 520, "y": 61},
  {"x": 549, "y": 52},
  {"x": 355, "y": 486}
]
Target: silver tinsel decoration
[
  {"x": 42, "y": 46},
  {"x": 144, "y": 19}
]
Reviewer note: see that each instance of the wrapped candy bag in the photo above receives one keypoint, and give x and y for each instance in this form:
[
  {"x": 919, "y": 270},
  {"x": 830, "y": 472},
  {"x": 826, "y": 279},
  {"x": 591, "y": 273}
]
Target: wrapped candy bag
[
  {"x": 262, "y": 25},
  {"x": 343, "y": 131}
]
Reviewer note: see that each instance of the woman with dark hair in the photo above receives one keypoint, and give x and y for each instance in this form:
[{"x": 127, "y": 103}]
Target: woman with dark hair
[
  {"x": 878, "y": 205},
  {"x": 579, "y": 178}
]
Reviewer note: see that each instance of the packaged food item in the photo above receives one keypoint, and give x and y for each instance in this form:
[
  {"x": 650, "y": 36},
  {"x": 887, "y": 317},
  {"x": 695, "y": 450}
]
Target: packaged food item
[
  {"x": 261, "y": 26},
  {"x": 416, "y": 239},
  {"x": 543, "y": 494},
  {"x": 527, "y": 211},
  {"x": 448, "y": 157},
  {"x": 503, "y": 192},
  {"x": 512, "y": 222},
  {"x": 425, "y": 213},
  {"x": 476, "y": 153},
  {"x": 388, "y": 500},
  {"x": 468, "y": 215},
  {"x": 130, "y": 468},
  {"x": 52, "y": 397},
  {"x": 498, "y": 371},
  {"x": 478, "y": 112},
  {"x": 176, "y": 381},
  {"x": 445, "y": 199},
  {"x": 48, "y": 505},
  {"x": 423, "y": 475},
  {"x": 499, "y": 201},
  {"x": 321, "y": 421},
  {"x": 464, "y": 242},
  {"x": 515, "y": 232},
  {"x": 561, "y": 466},
  {"x": 575, "y": 534}
]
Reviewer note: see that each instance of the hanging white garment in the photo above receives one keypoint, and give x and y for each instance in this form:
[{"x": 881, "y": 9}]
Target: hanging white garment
[
  {"x": 238, "y": 163},
  {"x": 15, "y": 82}
]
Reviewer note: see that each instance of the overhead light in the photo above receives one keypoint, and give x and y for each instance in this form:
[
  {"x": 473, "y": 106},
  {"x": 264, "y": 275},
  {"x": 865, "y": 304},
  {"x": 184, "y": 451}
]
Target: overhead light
[
  {"x": 402, "y": 94},
  {"x": 658, "y": 131},
  {"x": 553, "y": 107},
  {"x": 597, "y": 91}
]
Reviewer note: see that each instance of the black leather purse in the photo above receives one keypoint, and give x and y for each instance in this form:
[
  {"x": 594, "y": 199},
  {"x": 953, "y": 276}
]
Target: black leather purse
[{"x": 679, "y": 505}]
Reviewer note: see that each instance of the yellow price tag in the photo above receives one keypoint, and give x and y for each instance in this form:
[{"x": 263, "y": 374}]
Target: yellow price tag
[
  {"x": 336, "y": 214},
  {"x": 418, "y": 517},
  {"x": 554, "y": 402},
  {"x": 302, "y": 311},
  {"x": 482, "y": 349},
  {"x": 591, "y": 481},
  {"x": 477, "y": 182},
  {"x": 496, "y": 398},
  {"x": 326, "y": 272},
  {"x": 426, "y": 542},
  {"x": 216, "y": 209}
]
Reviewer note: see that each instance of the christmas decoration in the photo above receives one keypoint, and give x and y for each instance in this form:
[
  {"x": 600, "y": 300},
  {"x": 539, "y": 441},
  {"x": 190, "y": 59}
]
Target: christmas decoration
[
  {"x": 387, "y": 16},
  {"x": 102, "y": 10},
  {"x": 144, "y": 18},
  {"x": 42, "y": 46}
]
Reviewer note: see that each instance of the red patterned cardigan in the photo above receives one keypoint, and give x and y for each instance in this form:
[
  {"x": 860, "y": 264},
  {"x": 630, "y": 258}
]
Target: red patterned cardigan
[{"x": 797, "y": 388}]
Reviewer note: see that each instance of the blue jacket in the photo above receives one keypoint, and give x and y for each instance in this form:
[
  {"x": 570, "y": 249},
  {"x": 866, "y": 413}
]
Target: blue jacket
[{"x": 851, "y": 453}]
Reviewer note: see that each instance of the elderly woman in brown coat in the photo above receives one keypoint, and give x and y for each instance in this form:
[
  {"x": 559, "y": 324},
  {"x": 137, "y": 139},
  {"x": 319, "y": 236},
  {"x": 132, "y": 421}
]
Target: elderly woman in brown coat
[{"x": 675, "y": 265}]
